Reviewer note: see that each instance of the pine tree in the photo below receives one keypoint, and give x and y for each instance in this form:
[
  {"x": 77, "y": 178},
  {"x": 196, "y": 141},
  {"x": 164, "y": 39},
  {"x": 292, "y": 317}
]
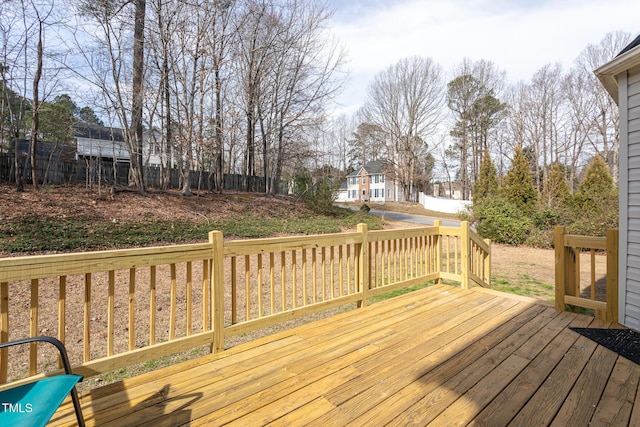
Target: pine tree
[
  {"x": 519, "y": 187},
  {"x": 487, "y": 183},
  {"x": 597, "y": 182},
  {"x": 556, "y": 192},
  {"x": 596, "y": 202}
]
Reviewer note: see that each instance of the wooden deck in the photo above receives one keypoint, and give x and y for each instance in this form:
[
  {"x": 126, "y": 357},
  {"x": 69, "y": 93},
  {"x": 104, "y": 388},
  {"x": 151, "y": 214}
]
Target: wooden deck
[{"x": 439, "y": 356}]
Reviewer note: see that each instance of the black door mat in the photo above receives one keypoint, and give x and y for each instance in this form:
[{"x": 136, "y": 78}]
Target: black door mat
[{"x": 625, "y": 342}]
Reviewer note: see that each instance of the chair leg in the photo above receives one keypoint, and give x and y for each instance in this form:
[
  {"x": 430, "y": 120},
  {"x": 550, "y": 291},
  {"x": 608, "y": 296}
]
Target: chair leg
[{"x": 76, "y": 406}]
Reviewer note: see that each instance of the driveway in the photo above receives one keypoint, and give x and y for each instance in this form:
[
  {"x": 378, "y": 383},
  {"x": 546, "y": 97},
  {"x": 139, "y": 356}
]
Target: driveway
[{"x": 418, "y": 219}]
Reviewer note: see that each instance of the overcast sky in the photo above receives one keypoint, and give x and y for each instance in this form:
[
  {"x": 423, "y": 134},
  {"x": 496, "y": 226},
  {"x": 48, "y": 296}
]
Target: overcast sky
[{"x": 519, "y": 37}]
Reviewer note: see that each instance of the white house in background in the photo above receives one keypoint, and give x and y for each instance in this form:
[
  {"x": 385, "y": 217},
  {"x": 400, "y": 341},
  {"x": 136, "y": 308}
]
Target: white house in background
[
  {"x": 621, "y": 78},
  {"x": 372, "y": 182},
  {"x": 95, "y": 141},
  {"x": 448, "y": 190}
]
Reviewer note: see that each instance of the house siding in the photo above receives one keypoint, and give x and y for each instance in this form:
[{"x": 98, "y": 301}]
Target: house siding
[{"x": 630, "y": 205}]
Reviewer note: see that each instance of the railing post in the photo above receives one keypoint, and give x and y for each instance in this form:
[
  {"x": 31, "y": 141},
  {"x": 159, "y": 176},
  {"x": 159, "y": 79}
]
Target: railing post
[
  {"x": 465, "y": 265},
  {"x": 560, "y": 267},
  {"x": 612, "y": 275},
  {"x": 487, "y": 264},
  {"x": 363, "y": 265},
  {"x": 217, "y": 290},
  {"x": 437, "y": 247}
]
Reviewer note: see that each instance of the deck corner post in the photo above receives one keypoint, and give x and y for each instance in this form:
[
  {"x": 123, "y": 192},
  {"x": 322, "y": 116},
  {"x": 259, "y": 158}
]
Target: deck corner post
[
  {"x": 465, "y": 265},
  {"x": 363, "y": 265},
  {"x": 560, "y": 267},
  {"x": 217, "y": 290},
  {"x": 612, "y": 275}
]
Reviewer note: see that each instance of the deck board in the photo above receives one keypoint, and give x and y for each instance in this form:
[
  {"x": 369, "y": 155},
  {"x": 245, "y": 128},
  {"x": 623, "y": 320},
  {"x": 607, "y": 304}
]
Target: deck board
[{"x": 439, "y": 356}]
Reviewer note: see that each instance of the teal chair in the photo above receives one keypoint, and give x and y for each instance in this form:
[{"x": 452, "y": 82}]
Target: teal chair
[{"x": 34, "y": 403}]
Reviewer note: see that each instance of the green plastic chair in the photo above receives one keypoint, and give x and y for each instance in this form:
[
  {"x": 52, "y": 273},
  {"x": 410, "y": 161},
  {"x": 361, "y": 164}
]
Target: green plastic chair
[{"x": 33, "y": 404}]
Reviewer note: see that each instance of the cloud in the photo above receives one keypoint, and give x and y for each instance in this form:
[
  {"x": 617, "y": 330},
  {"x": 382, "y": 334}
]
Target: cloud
[{"x": 520, "y": 37}]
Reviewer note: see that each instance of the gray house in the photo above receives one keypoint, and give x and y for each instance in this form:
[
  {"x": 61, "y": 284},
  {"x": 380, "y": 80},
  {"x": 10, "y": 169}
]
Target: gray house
[{"x": 621, "y": 78}]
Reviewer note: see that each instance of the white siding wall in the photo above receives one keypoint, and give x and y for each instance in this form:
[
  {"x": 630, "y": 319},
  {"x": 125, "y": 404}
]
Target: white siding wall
[
  {"x": 630, "y": 205},
  {"x": 102, "y": 148}
]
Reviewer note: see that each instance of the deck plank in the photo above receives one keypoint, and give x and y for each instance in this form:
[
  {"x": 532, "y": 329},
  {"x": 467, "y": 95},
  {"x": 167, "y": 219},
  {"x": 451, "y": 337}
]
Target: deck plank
[
  {"x": 438, "y": 356},
  {"x": 544, "y": 349},
  {"x": 384, "y": 378},
  {"x": 400, "y": 403},
  {"x": 580, "y": 404},
  {"x": 616, "y": 405},
  {"x": 549, "y": 397}
]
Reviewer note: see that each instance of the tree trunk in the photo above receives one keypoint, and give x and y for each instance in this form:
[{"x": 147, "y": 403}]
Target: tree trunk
[
  {"x": 35, "y": 111},
  {"x": 137, "y": 90}
]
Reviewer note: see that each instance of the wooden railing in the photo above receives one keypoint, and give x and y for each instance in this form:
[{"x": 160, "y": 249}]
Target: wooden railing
[
  {"x": 121, "y": 307},
  {"x": 598, "y": 291}
]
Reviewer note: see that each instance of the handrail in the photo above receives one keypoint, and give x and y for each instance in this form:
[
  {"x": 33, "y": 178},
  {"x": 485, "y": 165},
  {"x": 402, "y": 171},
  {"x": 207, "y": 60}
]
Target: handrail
[
  {"x": 141, "y": 304},
  {"x": 568, "y": 289}
]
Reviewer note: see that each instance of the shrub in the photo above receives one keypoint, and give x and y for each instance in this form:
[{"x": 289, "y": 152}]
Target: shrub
[
  {"x": 501, "y": 221},
  {"x": 540, "y": 238},
  {"x": 365, "y": 207},
  {"x": 322, "y": 198}
]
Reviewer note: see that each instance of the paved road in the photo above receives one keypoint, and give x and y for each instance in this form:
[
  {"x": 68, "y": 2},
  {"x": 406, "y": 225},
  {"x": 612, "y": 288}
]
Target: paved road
[{"x": 419, "y": 219}]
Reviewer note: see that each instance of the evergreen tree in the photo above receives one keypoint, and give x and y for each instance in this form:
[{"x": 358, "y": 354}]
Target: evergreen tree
[
  {"x": 556, "y": 192},
  {"x": 518, "y": 185},
  {"x": 487, "y": 183},
  {"x": 597, "y": 182},
  {"x": 596, "y": 202}
]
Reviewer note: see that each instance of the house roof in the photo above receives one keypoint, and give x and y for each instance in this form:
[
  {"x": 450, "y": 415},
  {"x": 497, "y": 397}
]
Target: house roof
[
  {"x": 373, "y": 167},
  {"x": 634, "y": 43},
  {"x": 87, "y": 130},
  {"x": 628, "y": 57}
]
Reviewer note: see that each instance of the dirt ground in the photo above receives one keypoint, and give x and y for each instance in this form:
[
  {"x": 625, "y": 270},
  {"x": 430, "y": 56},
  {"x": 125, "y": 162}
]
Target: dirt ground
[{"x": 509, "y": 264}]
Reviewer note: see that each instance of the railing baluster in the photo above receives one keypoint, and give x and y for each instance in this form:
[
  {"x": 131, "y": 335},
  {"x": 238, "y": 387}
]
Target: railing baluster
[
  {"x": 260, "y": 285},
  {"x": 152, "y": 306},
  {"x": 272, "y": 285},
  {"x": 173, "y": 300},
  {"x": 247, "y": 286},
  {"x": 110, "y": 312},
  {"x": 331, "y": 263},
  {"x": 593, "y": 274},
  {"x": 86, "y": 354},
  {"x": 348, "y": 261},
  {"x": 206, "y": 300},
  {"x": 234, "y": 291},
  {"x": 33, "y": 328},
  {"x": 314, "y": 275},
  {"x": 132, "y": 308},
  {"x": 62, "y": 314},
  {"x": 283, "y": 281},
  {"x": 189, "y": 299},
  {"x": 294, "y": 278},
  {"x": 304, "y": 277}
]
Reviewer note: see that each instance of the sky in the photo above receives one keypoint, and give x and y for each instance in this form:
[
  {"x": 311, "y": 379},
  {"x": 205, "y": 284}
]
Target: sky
[{"x": 518, "y": 36}]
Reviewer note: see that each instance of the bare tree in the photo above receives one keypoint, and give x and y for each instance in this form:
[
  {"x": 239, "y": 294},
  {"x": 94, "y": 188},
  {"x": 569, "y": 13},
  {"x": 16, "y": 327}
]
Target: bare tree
[
  {"x": 605, "y": 140},
  {"x": 113, "y": 69},
  {"x": 406, "y": 101},
  {"x": 16, "y": 31}
]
